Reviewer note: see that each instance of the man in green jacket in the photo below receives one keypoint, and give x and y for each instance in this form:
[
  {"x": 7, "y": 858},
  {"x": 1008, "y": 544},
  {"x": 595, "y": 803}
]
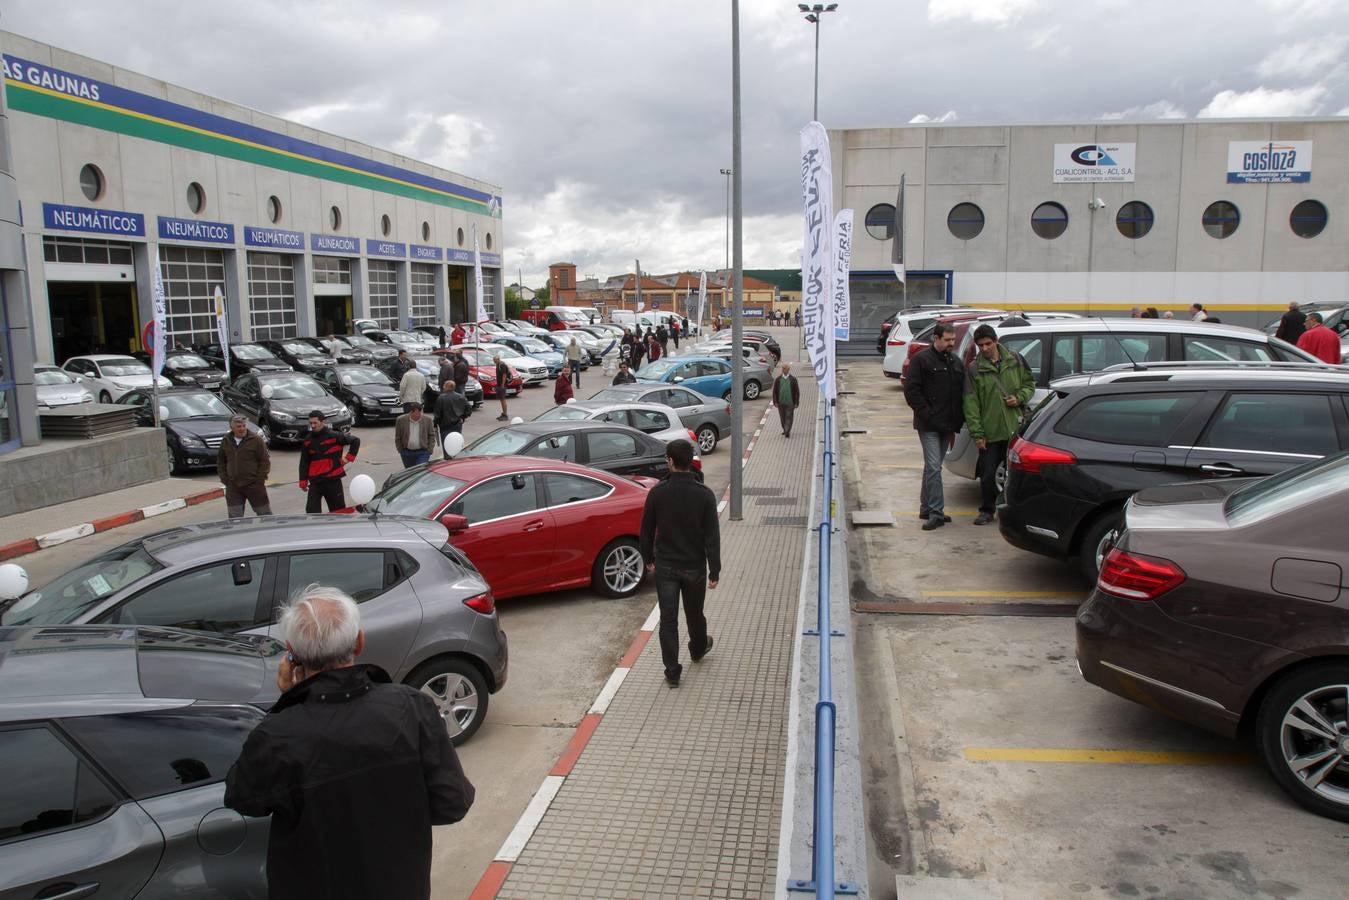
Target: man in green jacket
[{"x": 998, "y": 388}]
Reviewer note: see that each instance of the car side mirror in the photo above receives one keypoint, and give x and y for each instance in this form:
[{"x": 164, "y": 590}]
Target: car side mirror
[
  {"x": 454, "y": 523},
  {"x": 242, "y": 573},
  {"x": 677, "y": 379}
]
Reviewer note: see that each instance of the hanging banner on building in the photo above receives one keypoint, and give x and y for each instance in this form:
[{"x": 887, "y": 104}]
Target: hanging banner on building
[
  {"x": 158, "y": 338},
  {"x": 477, "y": 279},
  {"x": 897, "y": 243},
  {"x": 817, "y": 309},
  {"x": 1081, "y": 163},
  {"x": 702, "y": 297},
  {"x": 842, "y": 263},
  {"x": 222, "y": 328},
  {"x": 1269, "y": 162}
]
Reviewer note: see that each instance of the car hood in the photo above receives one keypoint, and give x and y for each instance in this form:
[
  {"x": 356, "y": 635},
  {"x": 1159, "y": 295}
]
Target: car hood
[
  {"x": 62, "y": 394},
  {"x": 202, "y": 427},
  {"x": 301, "y": 406},
  {"x": 373, "y": 391},
  {"x": 137, "y": 380},
  {"x": 198, "y": 374},
  {"x": 264, "y": 365},
  {"x": 1189, "y": 506}
]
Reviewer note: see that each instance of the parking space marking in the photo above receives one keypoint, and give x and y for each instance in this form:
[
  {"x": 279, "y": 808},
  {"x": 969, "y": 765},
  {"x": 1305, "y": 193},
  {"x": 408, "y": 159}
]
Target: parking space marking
[
  {"x": 1009, "y": 595},
  {"x": 1117, "y": 757}
]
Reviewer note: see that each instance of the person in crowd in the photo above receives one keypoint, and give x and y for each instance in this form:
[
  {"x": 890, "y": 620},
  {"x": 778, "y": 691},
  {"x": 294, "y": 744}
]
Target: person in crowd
[
  {"x": 461, "y": 371},
  {"x": 574, "y": 361},
  {"x": 562, "y": 391},
  {"x": 624, "y": 375},
  {"x": 411, "y": 388},
  {"x": 440, "y": 334},
  {"x": 674, "y": 332},
  {"x": 1136, "y": 313},
  {"x": 1320, "y": 341},
  {"x": 638, "y": 350},
  {"x": 503, "y": 377},
  {"x": 353, "y": 769},
  {"x": 321, "y": 468},
  {"x": 1198, "y": 313},
  {"x": 1168, "y": 314},
  {"x": 414, "y": 434},
  {"x": 798, "y": 317},
  {"x": 1150, "y": 313},
  {"x": 786, "y": 398},
  {"x": 653, "y": 350},
  {"x": 934, "y": 391},
  {"x": 681, "y": 544},
  {"x": 997, "y": 388},
  {"x": 243, "y": 464},
  {"x": 684, "y": 329},
  {"x": 452, "y": 408},
  {"x": 663, "y": 338},
  {"x": 404, "y": 363},
  {"x": 446, "y": 371},
  {"x": 1291, "y": 324},
  {"x": 457, "y": 336}
]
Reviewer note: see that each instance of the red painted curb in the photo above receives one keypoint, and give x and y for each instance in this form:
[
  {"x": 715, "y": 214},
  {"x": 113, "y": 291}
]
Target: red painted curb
[
  {"x": 578, "y": 742},
  {"x": 491, "y": 880},
  {"x": 204, "y": 497},
  {"x": 18, "y": 548},
  {"x": 118, "y": 521},
  {"x": 634, "y": 650}
]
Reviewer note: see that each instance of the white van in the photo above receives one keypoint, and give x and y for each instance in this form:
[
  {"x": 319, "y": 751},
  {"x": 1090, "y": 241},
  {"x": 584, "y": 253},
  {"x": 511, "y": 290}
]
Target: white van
[{"x": 625, "y": 317}]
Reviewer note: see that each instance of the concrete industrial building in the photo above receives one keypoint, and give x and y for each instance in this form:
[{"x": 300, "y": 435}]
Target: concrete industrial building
[{"x": 1100, "y": 217}]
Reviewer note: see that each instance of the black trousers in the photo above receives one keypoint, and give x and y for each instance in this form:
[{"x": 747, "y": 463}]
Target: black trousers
[
  {"x": 991, "y": 459},
  {"x": 786, "y": 414},
  {"x": 670, "y": 584},
  {"x": 325, "y": 490},
  {"x": 255, "y": 493}
]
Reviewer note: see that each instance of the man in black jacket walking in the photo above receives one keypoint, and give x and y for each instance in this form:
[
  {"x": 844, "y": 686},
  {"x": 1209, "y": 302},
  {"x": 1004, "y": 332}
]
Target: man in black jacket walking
[
  {"x": 681, "y": 543},
  {"x": 353, "y": 769},
  {"x": 934, "y": 389},
  {"x": 1291, "y": 324},
  {"x": 321, "y": 468}
]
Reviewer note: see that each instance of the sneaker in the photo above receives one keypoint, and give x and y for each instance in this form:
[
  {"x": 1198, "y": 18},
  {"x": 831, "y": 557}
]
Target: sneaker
[
  {"x": 983, "y": 518},
  {"x": 933, "y": 523},
  {"x": 672, "y": 682},
  {"x": 503, "y": 418},
  {"x": 697, "y": 657}
]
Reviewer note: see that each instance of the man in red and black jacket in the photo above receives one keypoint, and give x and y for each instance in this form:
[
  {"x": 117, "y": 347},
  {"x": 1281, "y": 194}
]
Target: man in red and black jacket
[{"x": 321, "y": 467}]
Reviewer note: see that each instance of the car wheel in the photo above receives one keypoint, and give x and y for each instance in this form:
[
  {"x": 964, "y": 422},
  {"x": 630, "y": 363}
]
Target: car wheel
[
  {"x": 727, "y": 396},
  {"x": 707, "y": 438},
  {"x": 1000, "y": 478},
  {"x": 1099, "y": 537},
  {"x": 1303, "y": 732},
  {"x": 104, "y": 397},
  {"x": 752, "y": 389},
  {"x": 618, "y": 569},
  {"x": 357, "y": 418},
  {"x": 459, "y": 691},
  {"x": 173, "y": 459},
  {"x": 266, "y": 431}
]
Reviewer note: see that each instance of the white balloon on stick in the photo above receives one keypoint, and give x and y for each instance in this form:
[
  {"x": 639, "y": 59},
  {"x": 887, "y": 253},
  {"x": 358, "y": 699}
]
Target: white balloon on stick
[
  {"x": 454, "y": 442},
  {"x": 362, "y": 489}
]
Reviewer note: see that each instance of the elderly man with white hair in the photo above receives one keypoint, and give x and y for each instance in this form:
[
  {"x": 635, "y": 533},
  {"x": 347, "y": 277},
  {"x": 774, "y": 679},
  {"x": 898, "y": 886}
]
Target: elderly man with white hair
[{"x": 353, "y": 769}]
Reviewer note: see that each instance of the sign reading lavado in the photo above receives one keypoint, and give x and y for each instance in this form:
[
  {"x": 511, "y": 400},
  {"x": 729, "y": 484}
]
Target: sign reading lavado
[
  {"x": 385, "y": 248},
  {"x": 334, "y": 243},
  {"x": 95, "y": 221},
  {"x": 273, "y": 238},
  {"x": 1269, "y": 162},
  {"x": 171, "y": 229}
]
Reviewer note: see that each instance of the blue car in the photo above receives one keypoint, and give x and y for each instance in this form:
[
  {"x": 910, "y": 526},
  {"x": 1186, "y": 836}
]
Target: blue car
[
  {"x": 707, "y": 375},
  {"x": 535, "y": 349}
]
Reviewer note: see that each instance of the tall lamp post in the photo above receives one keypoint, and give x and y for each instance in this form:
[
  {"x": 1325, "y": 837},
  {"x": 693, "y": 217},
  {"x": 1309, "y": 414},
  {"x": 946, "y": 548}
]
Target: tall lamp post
[
  {"x": 727, "y": 173},
  {"x": 813, "y": 16}
]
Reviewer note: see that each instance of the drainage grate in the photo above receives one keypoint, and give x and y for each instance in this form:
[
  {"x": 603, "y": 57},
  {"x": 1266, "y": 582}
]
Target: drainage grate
[
  {"x": 789, "y": 521},
  {"x": 775, "y": 501},
  {"x": 761, "y": 491}
]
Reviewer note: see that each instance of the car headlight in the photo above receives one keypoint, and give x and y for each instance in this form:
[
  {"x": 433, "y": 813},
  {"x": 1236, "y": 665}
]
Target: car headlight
[
  {"x": 370, "y": 402},
  {"x": 188, "y": 440},
  {"x": 281, "y": 416}
]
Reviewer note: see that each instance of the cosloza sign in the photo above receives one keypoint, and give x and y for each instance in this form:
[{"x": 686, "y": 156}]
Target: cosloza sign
[{"x": 1269, "y": 162}]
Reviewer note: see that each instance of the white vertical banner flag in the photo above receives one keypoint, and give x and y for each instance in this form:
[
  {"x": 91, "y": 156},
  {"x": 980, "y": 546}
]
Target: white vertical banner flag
[
  {"x": 897, "y": 246},
  {"x": 817, "y": 308},
  {"x": 158, "y": 339},
  {"x": 702, "y": 297},
  {"x": 222, "y": 327},
  {"x": 477, "y": 278},
  {"x": 842, "y": 263}
]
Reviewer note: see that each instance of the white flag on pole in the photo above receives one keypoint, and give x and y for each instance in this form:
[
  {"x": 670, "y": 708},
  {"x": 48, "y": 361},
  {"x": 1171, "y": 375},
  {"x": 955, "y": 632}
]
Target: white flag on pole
[
  {"x": 702, "y": 297},
  {"x": 222, "y": 328},
  {"x": 842, "y": 263},
  {"x": 477, "y": 277},
  {"x": 817, "y": 308},
  {"x": 158, "y": 345},
  {"x": 897, "y": 246}
]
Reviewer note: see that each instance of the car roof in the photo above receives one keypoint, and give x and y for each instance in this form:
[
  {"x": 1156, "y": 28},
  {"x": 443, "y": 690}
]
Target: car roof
[
  {"x": 1311, "y": 375},
  {"x": 554, "y": 426},
  {"x": 473, "y": 468},
  {"x": 99, "y": 357},
  {"x": 1160, "y": 326},
  {"x": 264, "y": 534}
]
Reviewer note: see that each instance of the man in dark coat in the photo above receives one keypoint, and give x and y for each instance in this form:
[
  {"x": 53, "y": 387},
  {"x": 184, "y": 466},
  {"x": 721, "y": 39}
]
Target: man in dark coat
[
  {"x": 353, "y": 769},
  {"x": 786, "y": 397},
  {"x": 1291, "y": 324},
  {"x": 624, "y": 375},
  {"x": 321, "y": 468},
  {"x": 461, "y": 371},
  {"x": 244, "y": 464},
  {"x": 934, "y": 389},
  {"x": 452, "y": 408}
]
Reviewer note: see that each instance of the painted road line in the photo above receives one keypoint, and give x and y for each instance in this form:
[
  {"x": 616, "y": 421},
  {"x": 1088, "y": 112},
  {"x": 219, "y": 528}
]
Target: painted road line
[
  {"x": 110, "y": 522},
  {"x": 159, "y": 509},
  {"x": 601, "y": 704},
  {"x": 1124, "y": 757},
  {"x": 74, "y": 532},
  {"x": 1009, "y": 595},
  {"x": 18, "y": 548},
  {"x": 491, "y": 880},
  {"x": 515, "y": 842},
  {"x": 579, "y": 739},
  {"x": 635, "y": 649}
]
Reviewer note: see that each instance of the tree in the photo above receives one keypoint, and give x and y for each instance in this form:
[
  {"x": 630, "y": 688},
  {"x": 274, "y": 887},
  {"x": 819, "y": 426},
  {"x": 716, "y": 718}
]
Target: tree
[{"x": 543, "y": 294}]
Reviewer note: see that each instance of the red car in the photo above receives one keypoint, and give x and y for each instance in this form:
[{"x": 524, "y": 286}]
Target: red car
[
  {"x": 483, "y": 367},
  {"x": 531, "y": 525}
]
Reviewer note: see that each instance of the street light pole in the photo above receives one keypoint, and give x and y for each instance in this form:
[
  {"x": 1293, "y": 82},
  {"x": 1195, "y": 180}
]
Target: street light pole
[
  {"x": 727, "y": 173},
  {"x": 738, "y": 299},
  {"x": 813, "y": 16}
]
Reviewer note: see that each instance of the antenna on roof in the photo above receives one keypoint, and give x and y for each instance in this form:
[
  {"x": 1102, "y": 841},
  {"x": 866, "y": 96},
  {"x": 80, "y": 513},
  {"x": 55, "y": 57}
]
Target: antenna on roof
[{"x": 1125, "y": 350}]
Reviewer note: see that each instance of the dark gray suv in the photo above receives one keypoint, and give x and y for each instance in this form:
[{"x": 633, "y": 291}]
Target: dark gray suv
[
  {"x": 114, "y": 744},
  {"x": 429, "y": 618}
]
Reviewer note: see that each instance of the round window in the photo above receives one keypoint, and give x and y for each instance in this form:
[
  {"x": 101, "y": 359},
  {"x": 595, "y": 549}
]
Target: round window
[
  {"x": 196, "y": 197},
  {"x": 965, "y": 220},
  {"x": 459, "y": 236},
  {"x": 1221, "y": 219},
  {"x": 91, "y": 181},
  {"x": 880, "y": 221},
  {"x": 274, "y": 209},
  {"x": 335, "y": 218},
  {"x": 385, "y": 226},
  {"x": 1134, "y": 219},
  {"x": 489, "y": 240},
  {"x": 1049, "y": 220},
  {"x": 426, "y": 231},
  {"x": 1308, "y": 218}
]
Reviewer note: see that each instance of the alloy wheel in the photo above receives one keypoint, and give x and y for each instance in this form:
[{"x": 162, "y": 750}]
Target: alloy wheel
[
  {"x": 1314, "y": 740},
  {"x": 623, "y": 568},
  {"x": 707, "y": 439},
  {"x": 456, "y": 699},
  {"x": 751, "y": 390}
]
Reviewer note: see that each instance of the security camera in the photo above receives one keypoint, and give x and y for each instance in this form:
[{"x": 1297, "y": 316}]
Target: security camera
[{"x": 1096, "y": 203}]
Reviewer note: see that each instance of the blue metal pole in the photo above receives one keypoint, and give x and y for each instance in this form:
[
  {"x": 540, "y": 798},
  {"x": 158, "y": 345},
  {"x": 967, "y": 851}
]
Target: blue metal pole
[{"x": 824, "y": 710}]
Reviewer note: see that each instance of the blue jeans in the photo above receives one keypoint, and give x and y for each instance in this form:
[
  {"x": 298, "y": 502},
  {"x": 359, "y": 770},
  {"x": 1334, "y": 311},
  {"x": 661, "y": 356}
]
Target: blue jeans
[
  {"x": 575, "y": 366},
  {"x": 932, "y": 502},
  {"x": 414, "y": 457}
]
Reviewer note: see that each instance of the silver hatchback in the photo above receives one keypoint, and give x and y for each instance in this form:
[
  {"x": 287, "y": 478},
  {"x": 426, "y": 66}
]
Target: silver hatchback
[
  {"x": 709, "y": 418},
  {"x": 429, "y": 618}
]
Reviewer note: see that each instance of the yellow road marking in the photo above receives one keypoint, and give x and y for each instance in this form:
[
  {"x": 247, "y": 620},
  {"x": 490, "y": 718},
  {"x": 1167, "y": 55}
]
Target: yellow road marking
[
  {"x": 1067, "y": 595},
  {"x": 1125, "y": 757}
]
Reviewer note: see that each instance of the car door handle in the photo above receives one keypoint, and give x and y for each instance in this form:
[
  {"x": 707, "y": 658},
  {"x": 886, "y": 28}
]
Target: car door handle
[
  {"x": 536, "y": 525},
  {"x": 1221, "y": 469},
  {"x": 66, "y": 890}
]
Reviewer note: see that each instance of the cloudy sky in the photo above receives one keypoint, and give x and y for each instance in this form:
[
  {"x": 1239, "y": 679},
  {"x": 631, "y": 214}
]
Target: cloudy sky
[{"x": 606, "y": 121}]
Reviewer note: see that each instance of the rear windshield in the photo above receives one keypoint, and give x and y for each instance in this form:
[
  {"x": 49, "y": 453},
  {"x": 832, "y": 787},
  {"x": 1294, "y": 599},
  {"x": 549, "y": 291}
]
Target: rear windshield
[
  {"x": 1288, "y": 489},
  {"x": 1139, "y": 420}
]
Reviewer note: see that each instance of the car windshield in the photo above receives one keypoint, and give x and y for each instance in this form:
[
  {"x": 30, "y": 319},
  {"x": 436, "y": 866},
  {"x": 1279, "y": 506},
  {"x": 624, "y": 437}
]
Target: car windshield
[
  {"x": 1288, "y": 489},
  {"x": 299, "y": 348},
  {"x": 478, "y": 357},
  {"x": 534, "y": 345},
  {"x": 508, "y": 352},
  {"x": 251, "y": 351},
  {"x": 67, "y": 597},
  {"x": 407, "y": 337},
  {"x": 426, "y": 365},
  {"x": 657, "y": 368},
  {"x": 186, "y": 361},
  {"x": 185, "y": 406},
  {"x": 611, "y": 394},
  {"x": 294, "y": 388},
  {"x": 502, "y": 442},
  {"x": 423, "y": 495},
  {"x": 359, "y": 340},
  {"x": 365, "y": 375},
  {"x": 123, "y": 365},
  {"x": 563, "y": 413},
  {"x": 51, "y": 376}
]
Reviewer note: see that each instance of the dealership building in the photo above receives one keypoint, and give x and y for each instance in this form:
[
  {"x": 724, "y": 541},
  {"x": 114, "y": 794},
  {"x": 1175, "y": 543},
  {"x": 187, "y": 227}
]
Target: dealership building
[{"x": 1239, "y": 215}]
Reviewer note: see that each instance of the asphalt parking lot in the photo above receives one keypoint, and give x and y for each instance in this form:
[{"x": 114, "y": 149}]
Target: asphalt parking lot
[{"x": 993, "y": 769}]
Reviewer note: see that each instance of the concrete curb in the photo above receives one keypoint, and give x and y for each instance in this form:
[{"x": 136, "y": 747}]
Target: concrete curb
[{"x": 107, "y": 523}]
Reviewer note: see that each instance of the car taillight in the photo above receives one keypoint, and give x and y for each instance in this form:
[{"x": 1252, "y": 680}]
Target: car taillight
[
  {"x": 1026, "y": 456},
  {"x": 483, "y": 603},
  {"x": 894, "y": 343},
  {"x": 728, "y": 409},
  {"x": 1134, "y": 576}
]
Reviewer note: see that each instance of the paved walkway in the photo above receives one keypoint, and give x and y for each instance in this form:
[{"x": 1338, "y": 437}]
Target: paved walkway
[{"x": 678, "y": 793}]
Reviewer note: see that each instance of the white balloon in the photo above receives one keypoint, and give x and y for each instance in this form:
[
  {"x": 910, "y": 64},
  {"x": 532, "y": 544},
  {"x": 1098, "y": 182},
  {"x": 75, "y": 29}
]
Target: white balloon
[
  {"x": 454, "y": 442},
  {"x": 362, "y": 489},
  {"x": 518, "y": 420},
  {"x": 163, "y": 412},
  {"x": 267, "y": 391},
  {"x": 571, "y": 400},
  {"x": 13, "y": 581}
]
